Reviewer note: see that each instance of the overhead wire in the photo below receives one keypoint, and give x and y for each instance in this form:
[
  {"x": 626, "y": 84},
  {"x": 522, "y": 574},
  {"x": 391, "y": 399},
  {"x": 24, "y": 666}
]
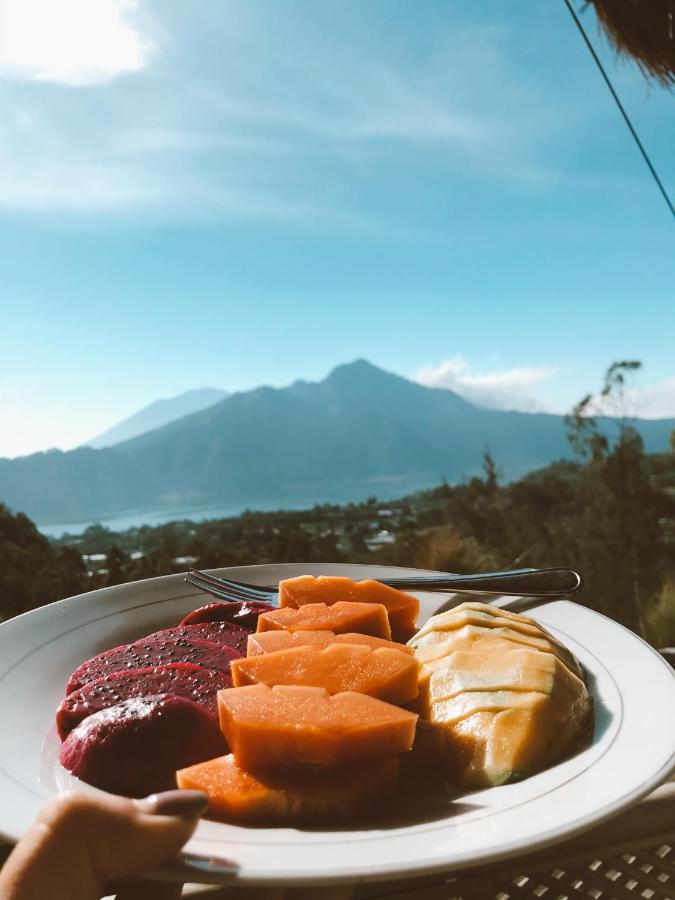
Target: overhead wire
[{"x": 622, "y": 109}]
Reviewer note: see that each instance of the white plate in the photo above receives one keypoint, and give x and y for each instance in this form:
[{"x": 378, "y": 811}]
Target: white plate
[{"x": 632, "y": 751}]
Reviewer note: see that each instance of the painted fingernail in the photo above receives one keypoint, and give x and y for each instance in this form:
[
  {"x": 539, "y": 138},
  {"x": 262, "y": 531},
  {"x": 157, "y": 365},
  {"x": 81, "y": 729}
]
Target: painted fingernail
[{"x": 175, "y": 803}]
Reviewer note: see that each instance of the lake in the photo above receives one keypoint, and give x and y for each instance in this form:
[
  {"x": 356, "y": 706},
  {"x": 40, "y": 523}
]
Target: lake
[{"x": 353, "y": 493}]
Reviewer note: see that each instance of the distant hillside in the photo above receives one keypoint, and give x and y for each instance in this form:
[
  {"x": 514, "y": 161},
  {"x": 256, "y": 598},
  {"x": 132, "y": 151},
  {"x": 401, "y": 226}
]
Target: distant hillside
[
  {"x": 157, "y": 414},
  {"x": 359, "y": 431}
]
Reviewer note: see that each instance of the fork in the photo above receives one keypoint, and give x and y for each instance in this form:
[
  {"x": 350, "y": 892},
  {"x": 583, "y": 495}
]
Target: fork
[{"x": 520, "y": 587}]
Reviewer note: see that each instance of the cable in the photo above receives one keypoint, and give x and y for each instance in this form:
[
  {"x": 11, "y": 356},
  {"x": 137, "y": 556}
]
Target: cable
[{"x": 614, "y": 94}]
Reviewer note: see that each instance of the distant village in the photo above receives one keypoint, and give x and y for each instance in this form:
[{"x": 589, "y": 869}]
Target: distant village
[
  {"x": 357, "y": 532},
  {"x": 377, "y": 533}
]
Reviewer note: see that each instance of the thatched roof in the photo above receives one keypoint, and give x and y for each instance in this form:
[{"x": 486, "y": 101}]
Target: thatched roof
[{"x": 643, "y": 30}]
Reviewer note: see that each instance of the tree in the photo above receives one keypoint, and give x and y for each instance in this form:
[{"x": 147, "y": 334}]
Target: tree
[
  {"x": 117, "y": 563},
  {"x": 616, "y": 527},
  {"x": 491, "y": 472},
  {"x": 32, "y": 571}
]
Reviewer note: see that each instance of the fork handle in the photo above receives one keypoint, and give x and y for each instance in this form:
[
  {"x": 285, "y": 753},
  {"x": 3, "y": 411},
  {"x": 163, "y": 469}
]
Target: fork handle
[{"x": 528, "y": 582}]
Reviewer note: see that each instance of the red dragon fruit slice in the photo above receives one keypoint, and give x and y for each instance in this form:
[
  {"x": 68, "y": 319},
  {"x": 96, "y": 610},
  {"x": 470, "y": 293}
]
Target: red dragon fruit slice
[
  {"x": 184, "y": 679},
  {"x": 135, "y": 747},
  {"x": 154, "y": 650},
  {"x": 225, "y": 633},
  {"x": 243, "y": 613}
]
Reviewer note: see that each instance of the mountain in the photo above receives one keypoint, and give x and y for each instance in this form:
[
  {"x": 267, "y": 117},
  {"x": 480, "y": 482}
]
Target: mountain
[
  {"x": 360, "y": 431},
  {"x": 159, "y": 413}
]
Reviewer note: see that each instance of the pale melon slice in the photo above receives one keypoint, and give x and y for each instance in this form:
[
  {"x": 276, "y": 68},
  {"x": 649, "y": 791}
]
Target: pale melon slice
[
  {"x": 492, "y": 737},
  {"x": 437, "y": 644},
  {"x": 485, "y": 616},
  {"x": 513, "y": 669},
  {"x": 458, "y": 618},
  {"x": 507, "y": 698},
  {"x": 526, "y": 740},
  {"x": 454, "y": 709},
  {"x": 491, "y": 609},
  {"x": 492, "y": 746}
]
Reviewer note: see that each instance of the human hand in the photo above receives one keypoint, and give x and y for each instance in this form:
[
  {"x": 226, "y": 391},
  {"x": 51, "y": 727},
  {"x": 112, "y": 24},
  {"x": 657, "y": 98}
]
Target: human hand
[{"x": 80, "y": 843}]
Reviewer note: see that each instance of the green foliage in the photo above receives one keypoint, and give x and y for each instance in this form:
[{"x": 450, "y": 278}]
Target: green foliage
[
  {"x": 617, "y": 539},
  {"x": 659, "y": 617},
  {"x": 446, "y": 550},
  {"x": 32, "y": 571}
]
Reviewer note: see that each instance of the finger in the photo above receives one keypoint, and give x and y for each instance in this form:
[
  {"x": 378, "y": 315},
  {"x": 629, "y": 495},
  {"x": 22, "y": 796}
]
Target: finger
[
  {"x": 80, "y": 843},
  {"x": 153, "y": 831}
]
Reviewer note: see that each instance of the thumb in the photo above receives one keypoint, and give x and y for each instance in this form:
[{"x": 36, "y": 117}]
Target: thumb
[{"x": 80, "y": 842}]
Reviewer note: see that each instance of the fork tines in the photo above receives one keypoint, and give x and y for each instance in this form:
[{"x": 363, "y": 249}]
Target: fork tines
[{"x": 228, "y": 590}]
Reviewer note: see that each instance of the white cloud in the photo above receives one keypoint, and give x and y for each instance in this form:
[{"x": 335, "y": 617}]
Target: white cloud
[
  {"x": 73, "y": 42},
  {"x": 656, "y": 401},
  {"x": 505, "y": 389},
  {"x": 229, "y": 125},
  {"x": 518, "y": 388}
]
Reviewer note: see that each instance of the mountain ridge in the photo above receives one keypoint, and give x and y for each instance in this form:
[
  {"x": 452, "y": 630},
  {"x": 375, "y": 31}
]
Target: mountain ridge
[
  {"x": 357, "y": 429},
  {"x": 157, "y": 414}
]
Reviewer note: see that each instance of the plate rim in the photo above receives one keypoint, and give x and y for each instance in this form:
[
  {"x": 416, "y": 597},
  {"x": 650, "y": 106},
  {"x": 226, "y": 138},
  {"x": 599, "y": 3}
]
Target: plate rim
[{"x": 376, "y": 872}]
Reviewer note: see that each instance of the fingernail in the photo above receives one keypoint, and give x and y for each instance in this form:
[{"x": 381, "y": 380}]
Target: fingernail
[{"x": 175, "y": 803}]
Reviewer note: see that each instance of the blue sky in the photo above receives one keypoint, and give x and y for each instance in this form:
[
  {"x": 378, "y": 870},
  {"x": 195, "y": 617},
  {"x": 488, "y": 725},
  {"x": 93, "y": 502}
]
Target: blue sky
[{"x": 237, "y": 192}]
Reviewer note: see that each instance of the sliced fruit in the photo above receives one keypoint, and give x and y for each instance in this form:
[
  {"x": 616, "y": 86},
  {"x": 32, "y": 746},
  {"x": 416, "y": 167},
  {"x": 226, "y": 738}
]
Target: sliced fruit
[
  {"x": 243, "y": 613},
  {"x": 511, "y": 670},
  {"x": 493, "y": 610},
  {"x": 459, "y": 617},
  {"x": 183, "y": 679},
  {"x": 449, "y": 712},
  {"x": 153, "y": 651},
  {"x": 134, "y": 747},
  {"x": 271, "y": 641},
  {"x": 402, "y": 608},
  {"x": 485, "y": 616},
  {"x": 465, "y": 745},
  {"x": 492, "y": 748},
  {"x": 226, "y": 633},
  {"x": 287, "y": 727},
  {"x": 494, "y": 736},
  {"x": 366, "y": 618},
  {"x": 506, "y": 697},
  {"x": 380, "y": 672},
  {"x": 338, "y": 795},
  {"x": 524, "y": 741},
  {"x": 437, "y": 644},
  {"x": 465, "y": 704}
]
